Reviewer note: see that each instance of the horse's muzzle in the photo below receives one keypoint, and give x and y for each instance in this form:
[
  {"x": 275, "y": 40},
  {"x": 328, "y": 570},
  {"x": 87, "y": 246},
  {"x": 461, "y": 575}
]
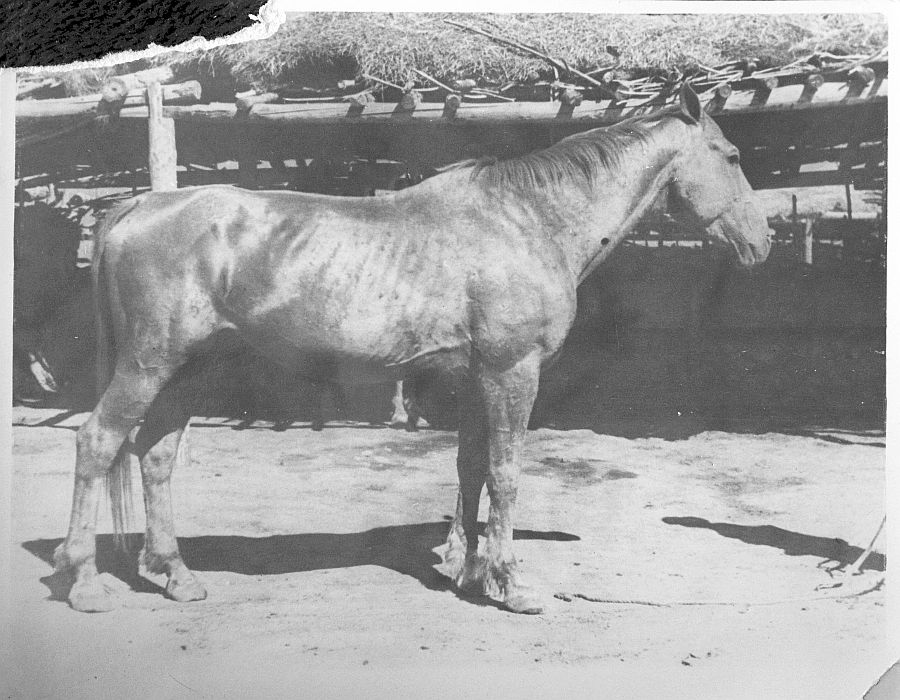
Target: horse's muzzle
[{"x": 748, "y": 232}]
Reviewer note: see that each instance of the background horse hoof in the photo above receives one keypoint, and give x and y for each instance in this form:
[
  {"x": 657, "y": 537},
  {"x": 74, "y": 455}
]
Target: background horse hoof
[
  {"x": 523, "y": 604},
  {"x": 90, "y": 597},
  {"x": 186, "y": 591}
]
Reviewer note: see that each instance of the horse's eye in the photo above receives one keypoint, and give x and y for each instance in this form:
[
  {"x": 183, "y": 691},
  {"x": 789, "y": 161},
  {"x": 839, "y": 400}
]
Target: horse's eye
[{"x": 734, "y": 158}]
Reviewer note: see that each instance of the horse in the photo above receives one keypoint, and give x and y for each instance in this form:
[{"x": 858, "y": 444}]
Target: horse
[
  {"x": 45, "y": 277},
  {"x": 472, "y": 272}
]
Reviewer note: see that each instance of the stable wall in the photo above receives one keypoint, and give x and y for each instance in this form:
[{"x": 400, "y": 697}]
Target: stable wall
[{"x": 663, "y": 334}]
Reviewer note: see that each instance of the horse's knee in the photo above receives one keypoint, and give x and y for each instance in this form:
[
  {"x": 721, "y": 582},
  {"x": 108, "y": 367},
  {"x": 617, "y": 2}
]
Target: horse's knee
[{"x": 96, "y": 448}]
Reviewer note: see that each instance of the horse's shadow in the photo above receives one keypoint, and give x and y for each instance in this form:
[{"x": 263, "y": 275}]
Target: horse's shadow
[
  {"x": 793, "y": 544},
  {"x": 406, "y": 549}
]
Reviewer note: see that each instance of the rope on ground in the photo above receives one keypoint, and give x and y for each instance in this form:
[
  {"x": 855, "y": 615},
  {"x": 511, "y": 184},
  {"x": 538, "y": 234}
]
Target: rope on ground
[{"x": 568, "y": 597}]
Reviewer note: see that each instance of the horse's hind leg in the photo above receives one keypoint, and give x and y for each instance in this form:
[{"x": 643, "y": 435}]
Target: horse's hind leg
[
  {"x": 100, "y": 444},
  {"x": 400, "y": 416},
  {"x": 160, "y": 444}
]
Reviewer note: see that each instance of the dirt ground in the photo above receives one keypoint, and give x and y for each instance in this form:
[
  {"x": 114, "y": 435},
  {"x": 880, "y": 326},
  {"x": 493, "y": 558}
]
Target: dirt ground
[{"x": 317, "y": 551}]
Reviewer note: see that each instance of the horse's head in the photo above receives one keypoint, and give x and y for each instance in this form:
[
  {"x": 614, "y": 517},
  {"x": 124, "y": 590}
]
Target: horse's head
[{"x": 709, "y": 188}]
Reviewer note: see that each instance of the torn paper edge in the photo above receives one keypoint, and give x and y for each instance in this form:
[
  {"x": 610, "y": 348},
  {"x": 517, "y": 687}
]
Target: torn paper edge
[{"x": 269, "y": 19}]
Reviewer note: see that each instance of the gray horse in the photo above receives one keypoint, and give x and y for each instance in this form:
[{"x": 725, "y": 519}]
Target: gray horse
[{"x": 471, "y": 272}]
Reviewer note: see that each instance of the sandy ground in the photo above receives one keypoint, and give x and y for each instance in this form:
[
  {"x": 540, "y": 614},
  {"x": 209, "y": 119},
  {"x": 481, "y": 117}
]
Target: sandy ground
[{"x": 317, "y": 551}]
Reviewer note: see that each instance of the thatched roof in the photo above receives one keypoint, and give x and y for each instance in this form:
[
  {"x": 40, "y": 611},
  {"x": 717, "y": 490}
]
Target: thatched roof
[
  {"x": 390, "y": 45},
  {"x": 317, "y": 49}
]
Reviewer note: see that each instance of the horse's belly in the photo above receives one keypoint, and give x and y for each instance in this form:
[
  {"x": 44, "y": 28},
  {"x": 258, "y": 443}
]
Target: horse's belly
[{"x": 352, "y": 350}]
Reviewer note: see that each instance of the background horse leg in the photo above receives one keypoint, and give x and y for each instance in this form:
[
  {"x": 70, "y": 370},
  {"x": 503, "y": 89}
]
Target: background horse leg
[
  {"x": 508, "y": 397},
  {"x": 101, "y": 444},
  {"x": 318, "y": 407},
  {"x": 400, "y": 416},
  {"x": 162, "y": 443},
  {"x": 471, "y": 465}
]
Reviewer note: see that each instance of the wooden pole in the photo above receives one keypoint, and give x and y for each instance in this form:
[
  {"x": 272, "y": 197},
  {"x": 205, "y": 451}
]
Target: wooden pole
[
  {"x": 720, "y": 97},
  {"x": 117, "y": 87},
  {"x": 812, "y": 84},
  {"x": 764, "y": 87},
  {"x": 806, "y": 242},
  {"x": 163, "y": 153}
]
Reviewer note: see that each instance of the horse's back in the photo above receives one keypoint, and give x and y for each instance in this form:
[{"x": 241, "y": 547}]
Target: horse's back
[{"x": 381, "y": 281}]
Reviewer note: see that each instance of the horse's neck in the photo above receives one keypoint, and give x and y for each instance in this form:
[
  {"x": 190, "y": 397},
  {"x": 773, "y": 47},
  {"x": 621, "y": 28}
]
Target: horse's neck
[{"x": 591, "y": 223}]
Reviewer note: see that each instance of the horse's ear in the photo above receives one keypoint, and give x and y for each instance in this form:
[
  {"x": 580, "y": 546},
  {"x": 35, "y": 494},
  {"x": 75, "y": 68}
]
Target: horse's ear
[{"x": 690, "y": 103}]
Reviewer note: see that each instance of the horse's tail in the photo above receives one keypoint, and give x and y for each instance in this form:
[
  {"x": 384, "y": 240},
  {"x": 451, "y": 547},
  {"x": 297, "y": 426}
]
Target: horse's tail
[{"x": 118, "y": 477}]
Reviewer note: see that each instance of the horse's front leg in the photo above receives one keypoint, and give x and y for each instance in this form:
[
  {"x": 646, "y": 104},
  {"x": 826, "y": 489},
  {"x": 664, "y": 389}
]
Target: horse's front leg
[
  {"x": 472, "y": 466},
  {"x": 508, "y": 395}
]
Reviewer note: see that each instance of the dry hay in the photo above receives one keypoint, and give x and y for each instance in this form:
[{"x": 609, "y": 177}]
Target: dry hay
[
  {"x": 317, "y": 49},
  {"x": 323, "y": 47}
]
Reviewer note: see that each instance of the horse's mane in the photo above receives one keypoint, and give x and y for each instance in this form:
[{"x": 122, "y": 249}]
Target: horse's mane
[{"x": 578, "y": 159}]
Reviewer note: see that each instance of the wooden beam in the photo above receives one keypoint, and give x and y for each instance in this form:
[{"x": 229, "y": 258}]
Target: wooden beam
[
  {"x": 764, "y": 88},
  {"x": 720, "y": 95},
  {"x": 186, "y": 93},
  {"x": 33, "y": 88},
  {"x": 819, "y": 178},
  {"x": 117, "y": 87},
  {"x": 451, "y": 104},
  {"x": 511, "y": 113},
  {"x": 569, "y": 99},
  {"x": 246, "y": 102},
  {"x": 162, "y": 149},
  {"x": 812, "y": 84},
  {"x": 857, "y": 80}
]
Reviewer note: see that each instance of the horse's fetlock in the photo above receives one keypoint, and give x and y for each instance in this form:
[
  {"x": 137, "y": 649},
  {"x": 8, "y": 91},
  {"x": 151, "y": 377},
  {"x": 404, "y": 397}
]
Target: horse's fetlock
[
  {"x": 159, "y": 562},
  {"x": 69, "y": 557}
]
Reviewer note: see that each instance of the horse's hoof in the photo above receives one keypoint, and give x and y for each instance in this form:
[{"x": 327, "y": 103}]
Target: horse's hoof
[
  {"x": 399, "y": 420},
  {"x": 90, "y": 597},
  {"x": 523, "y": 603},
  {"x": 452, "y": 563},
  {"x": 185, "y": 591}
]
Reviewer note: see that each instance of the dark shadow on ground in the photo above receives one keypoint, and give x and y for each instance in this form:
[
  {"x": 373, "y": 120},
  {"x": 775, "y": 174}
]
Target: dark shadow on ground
[
  {"x": 794, "y": 544},
  {"x": 405, "y": 549},
  {"x": 868, "y": 433}
]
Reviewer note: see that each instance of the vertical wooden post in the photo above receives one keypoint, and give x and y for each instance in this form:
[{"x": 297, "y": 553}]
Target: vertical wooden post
[
  {"x": 720, "y": 96},
  {"x": 849, "y": 201},
  {"x": 812, "y": 84},
  {"x": 806, "y": 242},
  {"x": 764, "y": 87},
  {"x": 162, "y": 151}
]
